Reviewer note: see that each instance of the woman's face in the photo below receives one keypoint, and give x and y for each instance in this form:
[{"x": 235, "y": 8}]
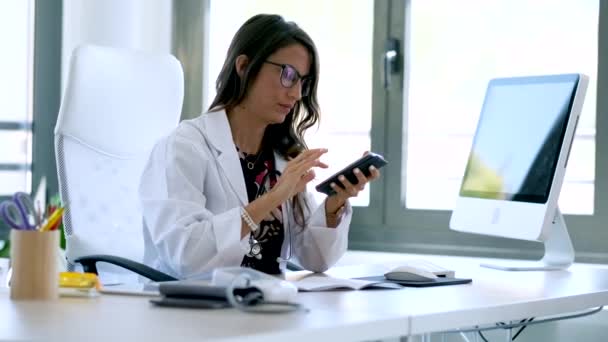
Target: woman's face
[{"x": 266, "y": 97}]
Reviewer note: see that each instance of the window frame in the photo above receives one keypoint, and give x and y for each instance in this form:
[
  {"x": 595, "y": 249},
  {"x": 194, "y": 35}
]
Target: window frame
[
  {"x": 374, "y": 213},
  {"x": 45, "y": 92},
  {"x": 13, "y": 126},
  {"x": 48, "y": 25},
  {"x": 427, "y": 231}
]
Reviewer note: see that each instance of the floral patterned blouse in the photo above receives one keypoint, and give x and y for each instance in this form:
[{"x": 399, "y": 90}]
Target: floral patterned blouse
[{"x": 260, "y": 177}]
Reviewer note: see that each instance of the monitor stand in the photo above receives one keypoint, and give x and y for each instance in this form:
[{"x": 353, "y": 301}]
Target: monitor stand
[{"x": 559, "y": 253}]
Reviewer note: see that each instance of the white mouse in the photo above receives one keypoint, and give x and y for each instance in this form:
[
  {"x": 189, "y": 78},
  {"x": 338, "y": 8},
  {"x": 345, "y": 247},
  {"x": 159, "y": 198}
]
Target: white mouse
[{"x": 409, "y": 273}]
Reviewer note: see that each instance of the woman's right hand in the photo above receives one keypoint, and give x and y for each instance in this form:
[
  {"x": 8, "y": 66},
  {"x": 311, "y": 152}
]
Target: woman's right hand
[{"x": 298, "y": 173}]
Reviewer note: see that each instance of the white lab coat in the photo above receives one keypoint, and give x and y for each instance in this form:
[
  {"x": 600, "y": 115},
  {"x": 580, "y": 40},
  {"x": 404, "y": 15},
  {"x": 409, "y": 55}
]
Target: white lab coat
[{"x": 191, "y": 193}]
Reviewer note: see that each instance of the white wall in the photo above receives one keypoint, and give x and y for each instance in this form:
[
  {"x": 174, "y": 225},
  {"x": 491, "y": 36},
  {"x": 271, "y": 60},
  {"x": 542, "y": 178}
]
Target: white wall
[{"x": 137, "y": 24}]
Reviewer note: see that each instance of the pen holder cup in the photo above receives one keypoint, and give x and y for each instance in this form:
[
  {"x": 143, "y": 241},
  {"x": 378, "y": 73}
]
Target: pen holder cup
[{"x": 34, "y": 263}]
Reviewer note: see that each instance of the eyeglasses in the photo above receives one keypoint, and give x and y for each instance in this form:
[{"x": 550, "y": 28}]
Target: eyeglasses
[{"x": 290, "y": 76}]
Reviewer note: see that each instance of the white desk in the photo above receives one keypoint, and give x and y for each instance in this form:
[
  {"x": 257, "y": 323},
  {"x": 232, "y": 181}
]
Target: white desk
[
  {"x": 493, "y": 296},
  {"x": 344, "y": 315},
  {"x": 133, "y": 318}
]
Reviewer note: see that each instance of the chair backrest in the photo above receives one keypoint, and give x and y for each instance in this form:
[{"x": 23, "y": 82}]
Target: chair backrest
[{"x": 116, "y": 105}]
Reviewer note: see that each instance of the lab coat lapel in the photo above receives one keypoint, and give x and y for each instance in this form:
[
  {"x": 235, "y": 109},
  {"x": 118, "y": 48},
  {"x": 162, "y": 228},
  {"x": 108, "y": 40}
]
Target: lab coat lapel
[{"x": 217, "y": 130}]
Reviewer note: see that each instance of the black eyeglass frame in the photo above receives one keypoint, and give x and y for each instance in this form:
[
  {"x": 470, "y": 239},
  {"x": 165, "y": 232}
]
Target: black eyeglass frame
[{"x": 305, "y": 81}]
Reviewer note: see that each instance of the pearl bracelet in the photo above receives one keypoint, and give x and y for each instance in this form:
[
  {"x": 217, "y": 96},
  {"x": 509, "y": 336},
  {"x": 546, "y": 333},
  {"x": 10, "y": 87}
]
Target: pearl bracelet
[{"x": 247, "y": 218}]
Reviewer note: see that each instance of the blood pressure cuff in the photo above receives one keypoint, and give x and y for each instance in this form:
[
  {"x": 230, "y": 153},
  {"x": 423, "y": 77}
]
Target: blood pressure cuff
[{"x": 195, "y": 295}]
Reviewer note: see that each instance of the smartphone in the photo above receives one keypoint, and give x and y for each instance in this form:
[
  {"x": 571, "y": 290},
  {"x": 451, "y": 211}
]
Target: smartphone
[{"x": 362, "y": 164}]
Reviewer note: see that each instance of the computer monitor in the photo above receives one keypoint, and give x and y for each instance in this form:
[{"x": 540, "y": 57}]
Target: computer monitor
[{"x": 517, "y": 164}]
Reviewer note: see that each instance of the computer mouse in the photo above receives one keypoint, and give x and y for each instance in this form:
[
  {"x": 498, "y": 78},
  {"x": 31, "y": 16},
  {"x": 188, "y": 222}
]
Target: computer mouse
[{"x": 409, "y": 273}]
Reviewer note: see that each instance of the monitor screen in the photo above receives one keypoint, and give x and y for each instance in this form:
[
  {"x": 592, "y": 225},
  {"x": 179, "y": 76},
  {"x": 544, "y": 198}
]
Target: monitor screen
[{"x": 519, "y": 137}]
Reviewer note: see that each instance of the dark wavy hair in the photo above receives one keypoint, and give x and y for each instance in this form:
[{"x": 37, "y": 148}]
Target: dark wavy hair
[{"x": 258, "y": 38}]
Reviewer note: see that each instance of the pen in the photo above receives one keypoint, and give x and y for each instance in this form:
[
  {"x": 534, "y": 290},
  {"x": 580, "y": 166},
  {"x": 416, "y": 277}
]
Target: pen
[
  {"x": 53, "y": 219},
  {"x": 56, "y": 225}
]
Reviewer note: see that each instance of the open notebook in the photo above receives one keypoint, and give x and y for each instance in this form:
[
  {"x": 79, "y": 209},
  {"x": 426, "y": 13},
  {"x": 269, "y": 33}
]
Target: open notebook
[
  {"x": 323, "y": 282},
  {"x": 357, "y": 277}
]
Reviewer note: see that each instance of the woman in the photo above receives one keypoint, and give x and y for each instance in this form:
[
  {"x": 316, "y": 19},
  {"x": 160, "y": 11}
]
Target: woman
[{"x": 229, "y": 187}]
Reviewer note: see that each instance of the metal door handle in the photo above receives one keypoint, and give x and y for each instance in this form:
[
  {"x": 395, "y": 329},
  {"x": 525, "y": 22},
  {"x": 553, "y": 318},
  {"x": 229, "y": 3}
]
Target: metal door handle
[{"x": 391, "y": 61}]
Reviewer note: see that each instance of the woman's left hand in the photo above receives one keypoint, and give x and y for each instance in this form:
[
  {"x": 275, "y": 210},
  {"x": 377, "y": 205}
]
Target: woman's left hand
[{"x": 348, "y": 190}]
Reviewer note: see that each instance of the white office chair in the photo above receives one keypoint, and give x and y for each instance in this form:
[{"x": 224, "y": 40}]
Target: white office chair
[{"x": 116, "y": 105}]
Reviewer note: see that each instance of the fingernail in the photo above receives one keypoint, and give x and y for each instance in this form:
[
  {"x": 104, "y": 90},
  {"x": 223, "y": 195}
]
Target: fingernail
[
  {"x": 357, "y": 171},
  {"x": 341, "y": 178},
  {"x": 333, "y": 185},
  {"x": 372, "y": 168}
]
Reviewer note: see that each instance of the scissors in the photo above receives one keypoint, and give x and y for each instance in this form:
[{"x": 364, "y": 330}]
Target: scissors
[{"x": 19, "y": 212}]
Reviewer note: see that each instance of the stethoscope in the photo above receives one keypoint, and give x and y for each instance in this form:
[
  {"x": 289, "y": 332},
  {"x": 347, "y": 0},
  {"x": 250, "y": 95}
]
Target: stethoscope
[{"x": 264, "y": 180}]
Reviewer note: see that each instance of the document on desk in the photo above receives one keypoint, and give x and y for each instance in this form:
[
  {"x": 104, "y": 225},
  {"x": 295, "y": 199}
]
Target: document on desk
[{"x": 321, "y": 282}]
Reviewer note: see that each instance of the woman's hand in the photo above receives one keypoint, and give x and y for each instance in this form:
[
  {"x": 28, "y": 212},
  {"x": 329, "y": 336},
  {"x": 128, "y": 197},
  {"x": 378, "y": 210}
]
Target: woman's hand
[
  {"x": 298, "y": 173},
  {"x": 336, "y": 202}
]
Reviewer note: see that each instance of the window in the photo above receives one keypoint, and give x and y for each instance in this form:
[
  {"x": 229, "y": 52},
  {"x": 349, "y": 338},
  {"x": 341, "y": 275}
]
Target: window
[
  {"x": 448, "y": 52},
  {"x": 16, "y": 34},
  {"x": 455, "y": 48},
  {"x": 342, "y": 31},
  {"x": 423, "y": 120}
]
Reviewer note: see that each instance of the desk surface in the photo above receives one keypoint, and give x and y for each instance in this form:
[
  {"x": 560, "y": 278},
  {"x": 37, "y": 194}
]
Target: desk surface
[
  {"x": 493, "y": 296},
  {"x": 133, "y": 318},
  {"x": 339, "y": 315}
]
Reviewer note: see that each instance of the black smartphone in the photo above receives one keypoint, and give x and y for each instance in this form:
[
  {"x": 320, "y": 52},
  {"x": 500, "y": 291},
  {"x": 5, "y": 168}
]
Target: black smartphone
[{"x": 362, "y": 164}]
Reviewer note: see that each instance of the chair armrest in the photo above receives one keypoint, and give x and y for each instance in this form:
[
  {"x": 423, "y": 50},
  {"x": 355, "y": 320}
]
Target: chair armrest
[{"x": 89, "y": 264}]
